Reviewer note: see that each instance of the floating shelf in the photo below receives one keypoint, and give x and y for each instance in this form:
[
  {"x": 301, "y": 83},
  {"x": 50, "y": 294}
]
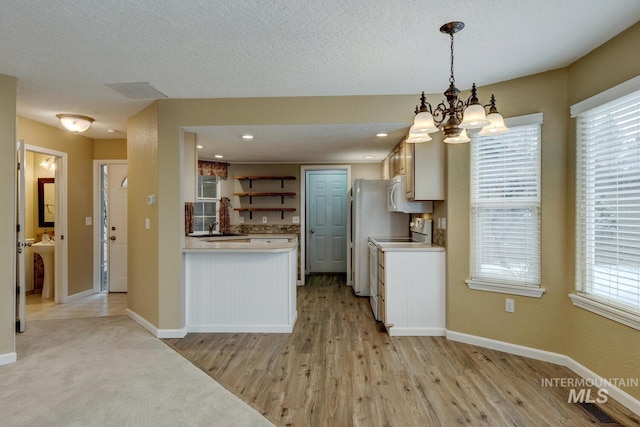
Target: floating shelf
[
  {"x": 282, "y": 195},
  {"x": 252, "y": 210},
  {"x": 281, "y": 178}
]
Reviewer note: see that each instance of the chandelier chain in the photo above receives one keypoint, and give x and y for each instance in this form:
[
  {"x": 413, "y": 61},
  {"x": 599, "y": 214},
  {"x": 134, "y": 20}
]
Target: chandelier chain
[{"x": 452, "y": 80}]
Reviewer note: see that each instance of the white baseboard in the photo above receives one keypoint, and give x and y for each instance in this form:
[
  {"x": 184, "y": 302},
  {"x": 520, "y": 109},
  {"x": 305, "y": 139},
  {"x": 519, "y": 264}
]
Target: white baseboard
[
  {"x": 80, "y": 295},
  {"x": 7, "y": 358},
  {"x": 242, "y": 329},
  {"x": 172, "y": 333},
  {"x": 158, "y": 333},
  {"x": 396, "y": 331},
  {"x": 614, "y": 392}
]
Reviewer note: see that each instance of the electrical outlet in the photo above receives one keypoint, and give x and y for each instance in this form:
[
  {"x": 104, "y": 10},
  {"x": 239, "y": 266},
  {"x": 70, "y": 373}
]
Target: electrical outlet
[
  {"x": 509, "y": 305},
  {"x": 264, "y": 219}
]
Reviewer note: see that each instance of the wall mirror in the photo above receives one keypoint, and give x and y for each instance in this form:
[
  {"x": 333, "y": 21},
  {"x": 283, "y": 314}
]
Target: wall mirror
[{"x": 46, "y": 202}]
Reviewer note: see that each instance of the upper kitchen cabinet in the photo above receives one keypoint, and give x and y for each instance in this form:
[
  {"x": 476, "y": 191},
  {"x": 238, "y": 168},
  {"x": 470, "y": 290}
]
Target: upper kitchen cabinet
[
  {"x": 423, "y": 166},
  {"x": 397, "y": 164},
  {"x": 428, "y": 169}
]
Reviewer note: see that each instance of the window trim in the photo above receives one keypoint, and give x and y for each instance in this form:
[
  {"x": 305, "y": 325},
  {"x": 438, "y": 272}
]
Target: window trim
[
  {"x": 505, "y": 288},
  {"x": 590, "y": 303},
  {"x": 578, "y": 297}
]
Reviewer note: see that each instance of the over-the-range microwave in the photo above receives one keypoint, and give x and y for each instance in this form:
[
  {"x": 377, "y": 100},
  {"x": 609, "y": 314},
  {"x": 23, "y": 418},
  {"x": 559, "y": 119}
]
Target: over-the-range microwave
[{"x": 397, "y": 198}]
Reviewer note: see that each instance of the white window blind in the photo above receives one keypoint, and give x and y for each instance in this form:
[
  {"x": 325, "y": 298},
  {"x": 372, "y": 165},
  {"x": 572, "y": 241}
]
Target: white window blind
[
  {"x": 505, "y": 206},
  {"x": 608, "y": 203}
]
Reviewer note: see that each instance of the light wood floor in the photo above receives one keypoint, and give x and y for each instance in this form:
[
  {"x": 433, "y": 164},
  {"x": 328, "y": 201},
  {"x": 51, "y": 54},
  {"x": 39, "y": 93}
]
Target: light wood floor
[
  {"x": 95, "y": 305},
  {"x": 339, "y": 368}
]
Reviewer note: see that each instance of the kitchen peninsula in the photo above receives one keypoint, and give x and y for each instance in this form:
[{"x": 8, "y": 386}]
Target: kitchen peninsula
[{"x": 241, "y": 283}]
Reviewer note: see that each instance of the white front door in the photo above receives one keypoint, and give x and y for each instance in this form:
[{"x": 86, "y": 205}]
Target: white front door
[
  {"x": 117, "y": 226},
  {"x": 327, "y": 221},
  {"x": 21, "y": 314}
]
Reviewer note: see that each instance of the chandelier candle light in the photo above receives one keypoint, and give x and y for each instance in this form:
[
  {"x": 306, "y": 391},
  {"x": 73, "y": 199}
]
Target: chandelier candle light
[{"x": 459, "y": 116}]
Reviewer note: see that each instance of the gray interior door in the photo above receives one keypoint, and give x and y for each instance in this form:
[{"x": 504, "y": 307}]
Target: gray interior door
[{"x": 327, "y": 221}]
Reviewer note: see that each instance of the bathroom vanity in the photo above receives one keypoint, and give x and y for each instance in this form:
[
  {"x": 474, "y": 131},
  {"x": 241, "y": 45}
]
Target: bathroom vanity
[{"x": 241, "y": 283}]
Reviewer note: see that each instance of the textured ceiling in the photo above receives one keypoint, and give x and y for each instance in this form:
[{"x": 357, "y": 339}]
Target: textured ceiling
[{"x": 65, "y": 52}]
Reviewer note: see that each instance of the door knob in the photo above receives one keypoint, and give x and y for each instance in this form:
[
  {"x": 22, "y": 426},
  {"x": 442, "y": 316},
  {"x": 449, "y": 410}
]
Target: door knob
[
  {"x": 112, "y": 238},
  {"x": 312, "y": 231}
]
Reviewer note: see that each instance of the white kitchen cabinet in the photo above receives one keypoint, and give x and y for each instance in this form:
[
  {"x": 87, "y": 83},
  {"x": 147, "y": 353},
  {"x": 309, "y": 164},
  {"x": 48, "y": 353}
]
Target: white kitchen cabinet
[
  {"x": 428, "y": 170},
  {"x": 411, "y": 291}
]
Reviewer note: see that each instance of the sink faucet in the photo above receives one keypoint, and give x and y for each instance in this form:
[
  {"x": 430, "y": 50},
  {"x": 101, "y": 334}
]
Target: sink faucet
[{"x": 211, "y": 225}]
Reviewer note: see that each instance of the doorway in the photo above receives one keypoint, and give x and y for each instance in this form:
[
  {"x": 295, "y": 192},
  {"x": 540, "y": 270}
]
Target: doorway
[
  {"x": 110, "y": 230},
  {"x": 325, "y": 219},
  {"x": 44, "y": 165}
]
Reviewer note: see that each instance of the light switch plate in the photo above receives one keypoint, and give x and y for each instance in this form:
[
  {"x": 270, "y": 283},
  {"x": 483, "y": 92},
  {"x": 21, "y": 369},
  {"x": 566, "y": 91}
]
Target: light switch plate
[
  {"x": 264, "y": 219},
  {"x": 88, "y": 220},
  {"x": 295, "y": 219},
  {"x": 147, "y": 223},
  {"x": 241, "y": 219}
]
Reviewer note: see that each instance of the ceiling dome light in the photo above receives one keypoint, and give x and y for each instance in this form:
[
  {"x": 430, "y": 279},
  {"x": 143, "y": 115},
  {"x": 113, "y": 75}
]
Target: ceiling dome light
[
  {"x": 74, "y": 122},
  {"x": 382, "y": 135},
  {"x": 247, "y": 136}
]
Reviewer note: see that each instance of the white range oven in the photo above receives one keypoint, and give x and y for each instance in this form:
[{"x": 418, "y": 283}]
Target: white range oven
[{"x": 420, "y": 236}]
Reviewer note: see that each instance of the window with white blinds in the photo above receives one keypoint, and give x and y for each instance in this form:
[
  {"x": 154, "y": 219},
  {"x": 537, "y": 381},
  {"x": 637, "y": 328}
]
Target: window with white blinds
[
  {"x": 608, "y": 203},
  {"x": 505, "y": 208}
]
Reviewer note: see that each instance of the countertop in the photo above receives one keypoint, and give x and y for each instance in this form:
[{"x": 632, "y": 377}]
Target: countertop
[
  {"x": 406, "y": 246},
  {"x": 247, "y": 243}
]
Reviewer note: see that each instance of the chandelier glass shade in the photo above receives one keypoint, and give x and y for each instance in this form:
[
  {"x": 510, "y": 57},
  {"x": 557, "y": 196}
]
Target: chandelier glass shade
[
  {"x": 455, "y": 116},
  {"x": 75, "y": 122}
]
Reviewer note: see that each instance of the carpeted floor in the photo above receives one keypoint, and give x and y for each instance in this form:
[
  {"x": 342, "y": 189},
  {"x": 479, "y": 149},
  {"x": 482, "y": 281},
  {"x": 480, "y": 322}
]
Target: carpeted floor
[{"x": 108, "y": 371}]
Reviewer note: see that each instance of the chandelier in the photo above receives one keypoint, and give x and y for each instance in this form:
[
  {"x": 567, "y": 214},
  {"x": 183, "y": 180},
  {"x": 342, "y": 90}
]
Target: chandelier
[{"x": 458, "y": 116}]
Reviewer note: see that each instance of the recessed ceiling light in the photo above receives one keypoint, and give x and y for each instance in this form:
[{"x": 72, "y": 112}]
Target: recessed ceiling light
[
  {"x": 200, "y": 146},
  {"x": 382, "y": 135},
  {"x": 218, "y": 156},
  {"x": 247, "y": 136}
]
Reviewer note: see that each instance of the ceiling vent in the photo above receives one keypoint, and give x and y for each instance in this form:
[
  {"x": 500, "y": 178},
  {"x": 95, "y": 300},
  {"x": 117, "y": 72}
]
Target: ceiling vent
[{"x": 139, "y": 90}]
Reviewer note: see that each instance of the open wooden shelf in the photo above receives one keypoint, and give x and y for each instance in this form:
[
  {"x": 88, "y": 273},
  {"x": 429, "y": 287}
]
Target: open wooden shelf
[
  {"x": 251, "y": 178},
  {"x": 252, "y": 210},
  {"x": 251, "y": 195}
]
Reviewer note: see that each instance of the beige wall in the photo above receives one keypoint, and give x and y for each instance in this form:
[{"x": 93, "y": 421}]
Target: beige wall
[
  {"x": 604, "y": 346},
  {"x": 550, "y": 323},
  {"x": 536, "y": 322},
  {"x": 143, "y": 244},
  {"x": 79, "y": 236},
  {"x": 110, "y": 149},
  {"x": 7, "y": 213}
]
